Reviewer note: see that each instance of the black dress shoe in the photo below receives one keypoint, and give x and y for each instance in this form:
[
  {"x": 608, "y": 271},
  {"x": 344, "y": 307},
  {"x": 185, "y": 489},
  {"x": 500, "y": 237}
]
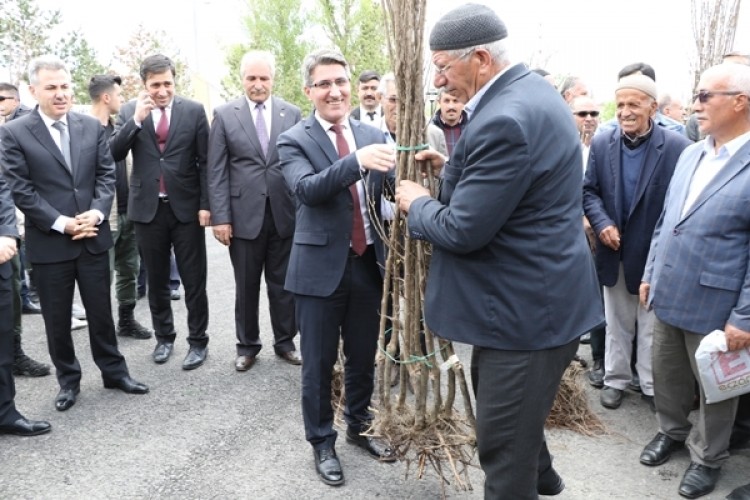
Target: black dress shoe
[
  {"x": 741, "y": 493},
  {"x": 127, "y": 384},
  {"x": 328, "y": 467},
  {"x": 660, "y": 449},
  {"x": 291, "y": 357},
  {"x": 31, "y": 308},
  {"x": 66, "y": 398},
  {"x": 610, "y": 397},
  {"x": 26, "y": 427},
  {"x": 371, "y": 445},
  {"x": 596, "y": 375},
  {"x": 195, "y": 357},
  {"x": 162, "y": 352},
  {"x": 549, "y": 483},
  {"x": 698, "y": 480},
  {"x": 244, "y": 363}
]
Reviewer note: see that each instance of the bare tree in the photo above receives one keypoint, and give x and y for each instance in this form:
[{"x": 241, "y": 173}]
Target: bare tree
[{"x": 714, "y": 27}]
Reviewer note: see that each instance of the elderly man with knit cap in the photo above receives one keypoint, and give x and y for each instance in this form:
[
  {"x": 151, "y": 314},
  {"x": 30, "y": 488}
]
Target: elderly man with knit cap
[
  {"x": 511, "y": 273},
  {"x": 626, "y": 181}
]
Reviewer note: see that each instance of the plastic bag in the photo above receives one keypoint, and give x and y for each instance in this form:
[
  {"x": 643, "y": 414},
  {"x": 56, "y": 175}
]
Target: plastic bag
[{"x": 724, "y": 374}]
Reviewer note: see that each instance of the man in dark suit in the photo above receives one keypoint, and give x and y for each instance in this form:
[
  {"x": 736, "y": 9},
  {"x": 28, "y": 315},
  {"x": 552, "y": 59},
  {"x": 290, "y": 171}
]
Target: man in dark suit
[
  {"x": 369, "y": 110},
  {"x": 336, "y": 168},
  {"x": 511, "y": 272},
  {"x": 11, "y": 421},
  {"x": 628, "y": 172},
  {"x": 697, "y": 277},
  {"x": 168, "y": 202},
  {"x": 251, "y": 209},
  {"x": 62, "y": 177}
]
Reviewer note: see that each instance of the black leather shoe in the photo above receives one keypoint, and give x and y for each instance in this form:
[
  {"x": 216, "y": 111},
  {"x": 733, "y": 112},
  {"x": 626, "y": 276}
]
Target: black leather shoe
[
  {"x": 660, "y": 449},
  {"x": 371, "y": 445},
  {"x": 195, "y": 357},
  {"x": 611, "y": 398},
  {"x": 698, "y": 480},
  {"x": 127, "y": 384},
  {"x": 741, "y": 493},
  {"x": 291, "y": 357},
  {"x": 328, "y": 467},
  {"x": 66, "y": 398},
  {"x": 162, "y": 352},
  {"x": 596, "y": 375},
  {"x": 549, "y": 483},
  {"x": 30, "y": 307},
  {"x": 26, "y": 427}
]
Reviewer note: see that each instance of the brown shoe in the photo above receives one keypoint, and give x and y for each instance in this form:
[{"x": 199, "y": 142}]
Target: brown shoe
[
  {"x": 244, "y": 363},
  {"x": 291, "y": 357}
]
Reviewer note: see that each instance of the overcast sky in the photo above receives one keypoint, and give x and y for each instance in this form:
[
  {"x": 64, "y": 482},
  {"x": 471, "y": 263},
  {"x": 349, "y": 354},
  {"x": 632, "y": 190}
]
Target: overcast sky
[{"x": 590, "y": 38}]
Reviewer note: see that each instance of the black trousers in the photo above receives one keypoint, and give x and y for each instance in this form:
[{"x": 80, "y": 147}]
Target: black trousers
[
  {"x": 8, "y": 412},
  {"x": 266, "y": 255},
  {"x": 155, "y": 242},
  {"x": 56, "y": 285},
  {"x": 515, "y": 391},
  {"x": 352, "y": 313}
]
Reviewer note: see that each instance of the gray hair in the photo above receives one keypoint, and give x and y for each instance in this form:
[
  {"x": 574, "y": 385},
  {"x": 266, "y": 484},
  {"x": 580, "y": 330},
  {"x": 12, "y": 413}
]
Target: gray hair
[
  {"x": 258, "y": 55},
  {"x": 384, "y": 81},
  {"x": 497, "y": 49},
  {"x": 322, "y": 57},
  {"x": 48, "y": 62},
  {"x": 664, "y": 101},
  {"x": 736, "y": 76}
]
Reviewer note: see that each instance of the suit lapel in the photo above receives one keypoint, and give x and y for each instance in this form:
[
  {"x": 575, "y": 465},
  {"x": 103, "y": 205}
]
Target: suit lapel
[
  {"x": 39, "y": 130},
  {"x": 245, "y": 117},
  {"x": 615, "y": 145},
  {"x": 174, "y": 122},
  {"x": 75, "y": 131},
  {"x": 317, "y": 134},
  {"x": 654, "y": 151},
  {"x": 734, "y": 166},
  {"x": 277, "y": 120}
]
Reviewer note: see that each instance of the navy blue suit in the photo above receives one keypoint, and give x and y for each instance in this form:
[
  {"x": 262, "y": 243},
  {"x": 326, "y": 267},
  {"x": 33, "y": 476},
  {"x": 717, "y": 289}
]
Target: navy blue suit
[{"x": 337, "y": 293}]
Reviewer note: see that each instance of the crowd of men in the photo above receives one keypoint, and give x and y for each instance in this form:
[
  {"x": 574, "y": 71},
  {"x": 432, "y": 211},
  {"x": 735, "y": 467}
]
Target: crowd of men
[{"x": 658, "y": 260}]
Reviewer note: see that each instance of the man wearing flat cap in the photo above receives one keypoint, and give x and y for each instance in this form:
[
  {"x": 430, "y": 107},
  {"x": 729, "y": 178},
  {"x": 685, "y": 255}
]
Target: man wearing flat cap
[
  {"x": 511, "y": 273},
  {"x": 626, "y": 180}
]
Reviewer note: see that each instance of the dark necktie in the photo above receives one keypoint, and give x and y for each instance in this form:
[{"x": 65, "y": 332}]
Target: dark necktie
[
  {"x": 359, "y": 240},
  {"x": 64, "y": 141},
  {"x": 162, "y": 131},
  {"x": 260, "y": 128},
  {"x": 371, "y": 114}
]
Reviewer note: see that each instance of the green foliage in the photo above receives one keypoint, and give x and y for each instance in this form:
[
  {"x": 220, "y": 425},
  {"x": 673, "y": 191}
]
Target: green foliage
[
  {"x": 277, "y": 26},
  {"x": 24, "y": 34},
  {"x": 608, "y": 111},
  {"x": 82, "y": 62}
]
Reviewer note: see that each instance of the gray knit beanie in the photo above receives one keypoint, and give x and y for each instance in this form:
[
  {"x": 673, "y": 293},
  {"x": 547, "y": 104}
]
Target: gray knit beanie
[{"x": 467, "y": 26}]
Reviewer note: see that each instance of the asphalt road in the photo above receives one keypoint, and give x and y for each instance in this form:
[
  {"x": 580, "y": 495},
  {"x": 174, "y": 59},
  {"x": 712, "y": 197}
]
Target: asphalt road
[{"x": 217, "y": 433}]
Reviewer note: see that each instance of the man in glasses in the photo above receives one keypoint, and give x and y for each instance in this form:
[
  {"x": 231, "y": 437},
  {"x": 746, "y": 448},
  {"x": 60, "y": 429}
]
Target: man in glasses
[
  {"x": 626, "y": 180},
  {"x": 586, "y": 115},
  {"x": 10, "y": 103},
  {"x": 697, "y": 277},
  {"x": 336, "y": 169},
  {"x": 510, "y": 273}
]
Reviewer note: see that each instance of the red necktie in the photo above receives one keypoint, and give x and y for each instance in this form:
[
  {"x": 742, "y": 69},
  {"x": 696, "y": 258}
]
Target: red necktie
[
  {"x": 359, "y": 240},
  {"x": 162, "y": 130}
]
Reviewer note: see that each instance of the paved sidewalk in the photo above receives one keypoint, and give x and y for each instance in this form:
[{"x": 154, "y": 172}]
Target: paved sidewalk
[{"x": 217, "y": 433}]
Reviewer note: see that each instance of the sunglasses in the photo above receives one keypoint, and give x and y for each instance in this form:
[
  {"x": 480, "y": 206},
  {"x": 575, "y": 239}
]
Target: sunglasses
[
  {"x": 4, "y": 97},
  {"x": 704, "y": 95},
  {"x": 584, "y": 114}
]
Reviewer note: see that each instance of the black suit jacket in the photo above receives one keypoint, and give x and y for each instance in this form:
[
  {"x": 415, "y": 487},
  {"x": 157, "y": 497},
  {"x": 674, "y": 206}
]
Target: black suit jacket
[
  {"x": 7, "y": 228},
  {"x": 44, "y": 188},
  {"x": 240, "y": 177},
  {"x": 183, "y": 162}
]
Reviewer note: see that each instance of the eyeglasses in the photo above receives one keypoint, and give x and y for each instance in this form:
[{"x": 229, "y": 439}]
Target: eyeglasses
[
  {"x": 327, "y": 84},
  {"x": 4, "y": 97},
  {"x": 704, "y": 95},
  {"x": 442, "y": 71},
  {"x": 584, "y": 114}
]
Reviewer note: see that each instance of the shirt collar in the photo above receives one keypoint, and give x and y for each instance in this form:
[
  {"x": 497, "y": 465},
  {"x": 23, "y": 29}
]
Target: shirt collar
[
  {"x": 731, "y": 147},
  {"x": 49, "y": 121},
  {"x": 252, "y": 104},
  {"x": 327, "y": 125}
]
